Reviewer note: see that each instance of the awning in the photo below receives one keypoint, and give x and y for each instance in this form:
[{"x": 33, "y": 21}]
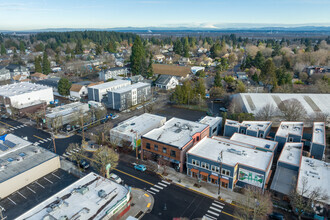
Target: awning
[
  {"x": 194, "y": 170},
  {"x": 224, "y": 180},
  {"x": 204, "y": 174},
  {"x": 214, "y": 177}
]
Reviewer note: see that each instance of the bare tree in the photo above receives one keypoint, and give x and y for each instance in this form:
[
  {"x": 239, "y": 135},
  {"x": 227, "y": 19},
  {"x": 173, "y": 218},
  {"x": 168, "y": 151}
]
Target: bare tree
[
  {"x": 235, "y": 106},
  {"x": 302, "y": 199},
  {"x": 255, "y": 204},
  {"x": 75, "y": 152},
  {"x": 102, "y": 157},
  {"x": 266, "y": 113},
  {"x": 164, "y": 163},
  {"x": 292, "y": 110},
  {"x": 56, "y": 123}
]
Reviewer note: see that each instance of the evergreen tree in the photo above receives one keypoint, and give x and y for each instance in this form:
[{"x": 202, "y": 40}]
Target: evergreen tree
[
  {"x": 178, "y": 47},
  {"x": 215, "y": 49},
  {"x": 3, "y": 50},
  {"x": 68, "y": 49},
  {"x": 79, "y": 47},
  {"x": 150, "y": 70},
  {"x": 138, "y": 57},
  {"x": 98, "y": 49},
  {"x": 64, "y": 86},
  {"x": 22, "y": 47},
  {"x": 39, "y": 47},
  {"x": 217, "y": 80},
  {"x": 200, "y": 87},
  {"x": 45, "y": 64},
  {"x": 111, "y": 47},
  {"x": 268, "y": 74},
  {"x": 37, "y": 65},
  {"x": 186, "y": 47},
  {"x": 259, "y": 60}
]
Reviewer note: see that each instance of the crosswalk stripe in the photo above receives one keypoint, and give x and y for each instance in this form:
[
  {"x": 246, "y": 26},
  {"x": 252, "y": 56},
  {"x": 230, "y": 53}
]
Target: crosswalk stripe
[
  {"x": 156, "y": 190},
  {"x": 158, "y": 187},
  {"x": 213, "y": 213},
  {"x": 216, "y": 201},
  {"x": 41, "y": 142},
  {"x": 151, "y": 192},
  {"x": 164, "y": 185},
  {"x": 209, "y": 217},
  {"x": 215, "y": 209},
  {"x": 11, "y": 129},
  {"x": 49, "y": 139},
  {"x": 166, "y": 182},
  {"x": 217, "y": 205}
]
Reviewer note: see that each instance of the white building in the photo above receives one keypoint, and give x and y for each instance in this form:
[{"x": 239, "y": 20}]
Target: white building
[
  {"x": 24, "y": 94},
  {"x": 99, "y": 92},
  {"x": 195, "y": 69},
  {"x": 91, "y": 197},
  {"x": 78, "y": 91},
  {"x": 131, "y": 130},
  {"x": 215, "y": 124},
  {"x": 166, "y": 82},
  {"x": 4, "y": 73},
  {"x": 111, "y": 73},
  {"x": 21, "y": 163},
  {"x": 258, "y": 143}
]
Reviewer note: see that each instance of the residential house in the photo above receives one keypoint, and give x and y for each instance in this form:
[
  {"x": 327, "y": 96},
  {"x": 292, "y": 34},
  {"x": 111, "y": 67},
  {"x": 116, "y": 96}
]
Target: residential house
[
  {"x": 4, "y": 73},
  {"x": 254, "y": 128},
  {"x": 111, "y": 73},
  {"x": 184, "y": 61},
  {"x": 159, "y": 58},
  {"x": 16, "y": 69},
  {"x": 180, "y": 72},
  {"x": 38, "y": 76},
  {"x": 195, "y": 69},
  {"x": 318, "y": 143},
  {"x": 78, "y": 91},
  {"x": 166, "y": 82},
  {"x": 241, "y": 76},
  {"x": 51, "y": 82},
  {"x": 288, "y": 132},
  {"x": 19, "y": 78}
]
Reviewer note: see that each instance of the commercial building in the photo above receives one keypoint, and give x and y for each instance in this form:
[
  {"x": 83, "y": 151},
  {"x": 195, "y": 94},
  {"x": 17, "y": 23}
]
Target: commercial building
[
  {"x": 288, "y": 132},
  {"x": 215, "y": 124},
  {"x": 99, "y": 92},
  {"x": 129, "y": 132},
  {"x": 314, "y": 174},
  {"x": 287, "y": 169},
  {"x": 254, "y": 128},
  {"x": 258, "y": 143},
  {"x": 240, "y": 165},
  {"x": 128, "y": 96},
  {"x": 318, "y": 144},
  {"x": 104, "y": 75},
  {"x": 22, "y": 163},
  {"x": 91, "y": 197},
  {"x": 26, "y": 97},
  {"x": 173, "y": 140},
  {"x": 65, "y": 114}
]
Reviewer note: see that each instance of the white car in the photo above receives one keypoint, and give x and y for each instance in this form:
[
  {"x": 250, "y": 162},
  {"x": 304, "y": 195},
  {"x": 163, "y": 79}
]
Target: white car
[{"x": 115, "y": 178}]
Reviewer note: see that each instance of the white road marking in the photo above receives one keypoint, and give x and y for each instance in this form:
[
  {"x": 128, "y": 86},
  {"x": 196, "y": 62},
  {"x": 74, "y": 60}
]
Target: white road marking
[
  {"x": 215, "y": 209},
  {"x": 41, "y": 142},
  {"x": 166, "y": 182},
  {"x": 39, "y": 184},
  {"x": 158, "y": 187},
  {"x": 48, "y": 180},
  {"x": 56, "y": 176},
  {"x": 216, "y": 201},
  {"x": 156, "y": 190},
  {"x": 151, "y": 192},
  {"x": 217, "y": 205},
  {"x": 11, "y": 129},
  {"x": 162, "y": 184},
  {"x": 209, "y": 217},
  {"x": 12, "y": 201},
  {"x": 213, "y": 213},
  {"x": 21, "y": 194},
  {"x": 49, "y": 139},
  {"x": 31, "y": 189}
]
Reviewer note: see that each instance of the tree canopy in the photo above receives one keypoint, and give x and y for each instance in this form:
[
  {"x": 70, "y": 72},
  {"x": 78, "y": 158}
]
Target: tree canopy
[{"x": 64, "y": 86}]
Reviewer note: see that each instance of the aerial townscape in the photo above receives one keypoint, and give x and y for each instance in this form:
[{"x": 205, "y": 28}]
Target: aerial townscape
[{"x": 164, "y": 110}]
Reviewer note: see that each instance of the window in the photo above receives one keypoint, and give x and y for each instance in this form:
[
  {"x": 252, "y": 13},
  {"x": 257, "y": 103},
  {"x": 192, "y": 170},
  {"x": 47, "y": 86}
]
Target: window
[
  {"x": 214, "y": 130},
  {"x": 207, "y": 166},
  {"x": 156, "y": 147},
  {"x": 22, "y": 154},
  {"x": 290, "y": 139},
  {"x": 203, "y": 165},
  {"x": 242, "y": 131},
  {"x": 164, "y": 150},
  {"x": 10, "y": 159},
  {"x": 148, "y": 145},
  {"x": 225, "y": 172},
  {"x": 215, "y": 168},
  {"x": 197, "y": 138},
  {"x": 173, "y": 154},
  {"x": 261, "y": 135},
  {"x": 195, "y": 162}
]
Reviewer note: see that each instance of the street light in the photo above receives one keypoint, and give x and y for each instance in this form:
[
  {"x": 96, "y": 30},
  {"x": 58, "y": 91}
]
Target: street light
[{"x": 220, "y": 163}]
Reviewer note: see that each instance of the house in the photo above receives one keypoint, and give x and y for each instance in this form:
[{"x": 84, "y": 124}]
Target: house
[
  {"x": 99, "y": 92},
  {"x": 254, "y": 128},
  {"x": 241, "y": 76},
  {"x": 129, "y": 132},
  {"x": 231, "y": 165},
  {"x": 128, "y": 96},
  {"x": 78, "y": 91},
  {"x": 16, "y": 69},
  {"x": 19, "y": 78},
  {"x": 137, "y": 78},
  {"x": 180, "y": 72},
  {"x": 166, "y": 82},
  {"x": 195, "y": 69},
  {"x": 318, "y": 143},
  {"x": 51, "y": 82},
  {"x": 104, "y": 75},
  {"x": 159, "y": 58},
  {"x": 258, "y": 143},
  {"x": 38, "y": 76},
  {"x": 4, "y": 73},
  {"x": 287, "y": 169},
  {"x": 215, "y": 124},
  {"x": 288, "y": 132},
  {"x": 184, "y": 61},
  {"x": 172, "y": 141},
  {"x": 94, "y": 83}
]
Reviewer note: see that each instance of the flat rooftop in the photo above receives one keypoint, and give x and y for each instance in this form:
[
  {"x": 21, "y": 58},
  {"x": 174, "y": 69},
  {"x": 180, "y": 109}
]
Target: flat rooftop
[
  {"x": 80, "y": 199},
  {"x": 289, "y": 127},
  {"x": 315, "y": 173},
  {"x": 208, "y": 120},
  {"x": 313, "y": 103},
  {"x": 251, "y": 125},
  {"x": 233, "y": 153},
  {"x": 23, "y": 159},
  {"x": 291, "y": 153},
  {"x": 67, "y": 109},
  {"x": 110, "y": 84},
  {"x": 254, "y": 141},
  {"x": 20, "y": 88},
  {"x": 139, "y": 124},
  {"x": 12, "y": 143},
  {"x": 318, "y": 133},
  {"x": 130, "y": 87},
  {"x": 176, "y": 132},
  {"x": 32, "y": 194}
]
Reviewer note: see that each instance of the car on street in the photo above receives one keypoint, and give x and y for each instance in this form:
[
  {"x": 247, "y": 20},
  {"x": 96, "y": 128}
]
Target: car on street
[
  {"x": 222, "y": 109},
  {"x": 140, "y": 167},
  {"x": 115, "y": 178},
  {"x": 276, "y": 215},
  {"x": 4, "y": 116},
  {"x": 68, "y": 128},
  {"x": 84, "y": 164},
  {"x": 115, "y": 116}
]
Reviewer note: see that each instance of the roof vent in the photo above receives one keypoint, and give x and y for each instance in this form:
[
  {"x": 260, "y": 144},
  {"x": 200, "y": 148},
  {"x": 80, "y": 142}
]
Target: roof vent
[{"x": 101, "y": 193}]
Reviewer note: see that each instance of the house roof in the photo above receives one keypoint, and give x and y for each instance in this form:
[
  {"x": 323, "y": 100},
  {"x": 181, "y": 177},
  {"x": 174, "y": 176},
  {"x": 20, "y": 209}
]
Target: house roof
[
  {"x": 95, "y": 83},
  {"x": 40, "y": 75},
  {"x": 173, "y": 70},
  {"x": 76, "y": 87},
  {"x": 164, "y": 79}
]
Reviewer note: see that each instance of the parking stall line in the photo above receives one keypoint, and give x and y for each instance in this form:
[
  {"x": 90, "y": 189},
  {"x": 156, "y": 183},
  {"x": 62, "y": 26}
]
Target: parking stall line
[
  {"x": 56, "y": 176},
  {"x": 48, "y": 180},
  {"x": 12, "y": 201},
  {"x": 39, "y": 184},
  {"x": 31, "y": 190}
]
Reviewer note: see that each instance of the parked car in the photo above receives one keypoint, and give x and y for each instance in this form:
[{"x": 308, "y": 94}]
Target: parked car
[
  {"x": 115, "y": 178},
  {"x": 276, "y": 215},
  {"x": 115, "y": 116},
  {"x": 4, "y": 116},
  {"x": 84, "y": 164},
  {"x": 222, "y": 109},
  {"x": 140, "y": 167},
  {"x": 68, "y": 128}
]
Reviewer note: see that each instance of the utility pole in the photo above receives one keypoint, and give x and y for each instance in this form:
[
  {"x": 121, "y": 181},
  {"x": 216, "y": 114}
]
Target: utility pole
[
  {"x": 220, "y": 163},
  {"x": 53, "y": 137}
]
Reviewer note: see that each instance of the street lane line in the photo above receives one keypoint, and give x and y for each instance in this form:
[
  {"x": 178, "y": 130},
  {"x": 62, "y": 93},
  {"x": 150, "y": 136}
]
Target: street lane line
[
  {"x": 215, "y": 209},
  {"x": 216, "y": 205},
  {"x": 156, "y": 190},
  {"x": 151, "y": 192},
  {"x": 213, "y": 213},
  {"x": 158, "y": 187},
  {"x": 132, "y": 176},
  {"x": 209, "y": 217},
  {"x": 31, "y": 190},
  {"x": 38, "y": 137},
  {"x": 12, "y": 201},
  {"x": 7, "y": 124},
  {"x": 219, "y": 202},
  {"x": 162, "y": 184},
  {"x": 166, "y": 182}
]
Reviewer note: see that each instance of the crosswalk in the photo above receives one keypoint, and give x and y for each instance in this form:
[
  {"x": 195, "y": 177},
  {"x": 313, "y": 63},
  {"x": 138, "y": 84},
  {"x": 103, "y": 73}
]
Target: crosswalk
[
  {"x": 214, "y": 210},
  {"x": 158, "y": 187},
  {"x": 17, "y": 127},
  {"x": 45, "y": 140},
  {"x": 69, "y": 153}
]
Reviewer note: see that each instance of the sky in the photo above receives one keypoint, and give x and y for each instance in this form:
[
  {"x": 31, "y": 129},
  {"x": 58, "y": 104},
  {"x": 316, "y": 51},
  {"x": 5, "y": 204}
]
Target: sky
[{"x": 41, "y": 14}]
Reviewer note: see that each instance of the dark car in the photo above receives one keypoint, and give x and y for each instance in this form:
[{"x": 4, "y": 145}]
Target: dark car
[
  {"x": 84, "y": 164},
  {"x": 276, "y": 215}
]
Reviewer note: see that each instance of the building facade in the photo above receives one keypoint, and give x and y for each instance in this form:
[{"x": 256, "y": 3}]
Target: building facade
[
  {"x": 104, "y": 75},
  {"x": 288, "y": 132},
  {"x": 215, "y": 124},
  {"x": 99, "y": 92},
  {"x": 253, "y": 128},
  {"x": 318, "y": 144}
]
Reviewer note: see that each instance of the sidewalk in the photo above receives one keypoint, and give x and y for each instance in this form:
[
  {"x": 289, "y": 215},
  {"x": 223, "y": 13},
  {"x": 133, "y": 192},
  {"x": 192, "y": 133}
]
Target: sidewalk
[{"x": 142, "y": 202}]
